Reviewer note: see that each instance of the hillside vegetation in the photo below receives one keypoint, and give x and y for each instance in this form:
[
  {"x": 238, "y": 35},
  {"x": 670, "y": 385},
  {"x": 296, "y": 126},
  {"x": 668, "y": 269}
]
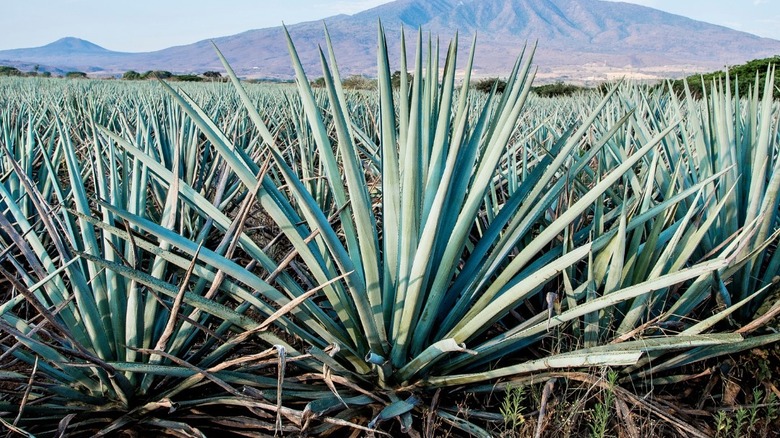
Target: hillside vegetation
[{"x": 743, "y": 78}]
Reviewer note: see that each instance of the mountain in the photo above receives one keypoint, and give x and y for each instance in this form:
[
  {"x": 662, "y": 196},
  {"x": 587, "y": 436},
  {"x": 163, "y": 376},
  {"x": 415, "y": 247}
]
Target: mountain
[
  {"x": 65, "y": 54},
  {"x": 577, "y": 40}
]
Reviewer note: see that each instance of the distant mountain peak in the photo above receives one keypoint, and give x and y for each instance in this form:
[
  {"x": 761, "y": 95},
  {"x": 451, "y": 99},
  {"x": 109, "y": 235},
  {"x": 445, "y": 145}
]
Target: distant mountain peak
[{"x": 73, "y": 44}]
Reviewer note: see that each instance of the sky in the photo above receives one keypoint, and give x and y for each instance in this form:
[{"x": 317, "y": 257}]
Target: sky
[
  {"x": 760, "y": 17},
  {"x": 145, "y": 25}
]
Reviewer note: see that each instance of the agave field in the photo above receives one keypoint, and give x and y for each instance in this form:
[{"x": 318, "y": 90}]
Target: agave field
[{"x": 425, "y": 259}]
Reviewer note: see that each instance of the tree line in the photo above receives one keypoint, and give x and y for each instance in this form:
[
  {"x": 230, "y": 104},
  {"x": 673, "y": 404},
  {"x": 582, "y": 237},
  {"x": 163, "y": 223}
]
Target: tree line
[{"x": 214, "y": 76}]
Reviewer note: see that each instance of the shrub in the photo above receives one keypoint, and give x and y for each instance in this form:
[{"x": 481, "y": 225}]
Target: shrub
[
  {"x": 76, "y": 75},
  {"x": 395, "y": 78},
  {"x": 10, "y": 71},
  {"x": 131, "y": 75},
  {"x": 357, "y": 82},
  {"x": 486, "y": 85},
  {"x": 557, "y": 89},
  {"x": 187, "y": 78},
  {"x": 159, "y": 74}
]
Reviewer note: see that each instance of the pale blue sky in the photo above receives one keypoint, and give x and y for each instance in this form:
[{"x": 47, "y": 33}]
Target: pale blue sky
[{"x": 143, "y": 25}]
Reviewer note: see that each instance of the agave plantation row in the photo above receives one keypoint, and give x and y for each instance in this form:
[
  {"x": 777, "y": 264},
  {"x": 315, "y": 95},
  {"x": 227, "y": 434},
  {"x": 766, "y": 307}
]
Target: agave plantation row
[{"x": 312, "y": 259}]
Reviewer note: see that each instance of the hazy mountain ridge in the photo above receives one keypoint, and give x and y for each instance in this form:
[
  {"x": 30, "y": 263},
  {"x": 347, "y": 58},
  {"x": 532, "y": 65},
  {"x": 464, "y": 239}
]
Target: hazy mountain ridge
[{"x": 577, "y": 39}]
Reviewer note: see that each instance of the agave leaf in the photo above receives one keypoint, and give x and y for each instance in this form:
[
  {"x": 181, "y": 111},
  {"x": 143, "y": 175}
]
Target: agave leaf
[
  {"x": 410, "y": 167},
  {"x": 391, "y": 201},
  {"x": 704, "y": 353},
  {"x": 466, "y": 426},
  {"x": 621, "y": 358},
  {"x": 428, "y": 357},
  {"x": 324, "y": 406},
  {"x": 395, "y": 409},
  {"x": 361, "y": 202}
]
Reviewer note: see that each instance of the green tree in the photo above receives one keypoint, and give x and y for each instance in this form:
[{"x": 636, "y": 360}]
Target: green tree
[
  {"x": 159, "y": 74},
  {"x": 557, "y": 89},
  {"x": 395, "y": 79},
  {"x": 213, "y": 75},
  {"x": 10, "y": 71},
  {"x": 131, "y": 75},
  {"x": 485, "y": 85},
  {"x": 357, "y": 82},
  {"x": 76, "y": 75},
  {"x": 187, "y": 78}
]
